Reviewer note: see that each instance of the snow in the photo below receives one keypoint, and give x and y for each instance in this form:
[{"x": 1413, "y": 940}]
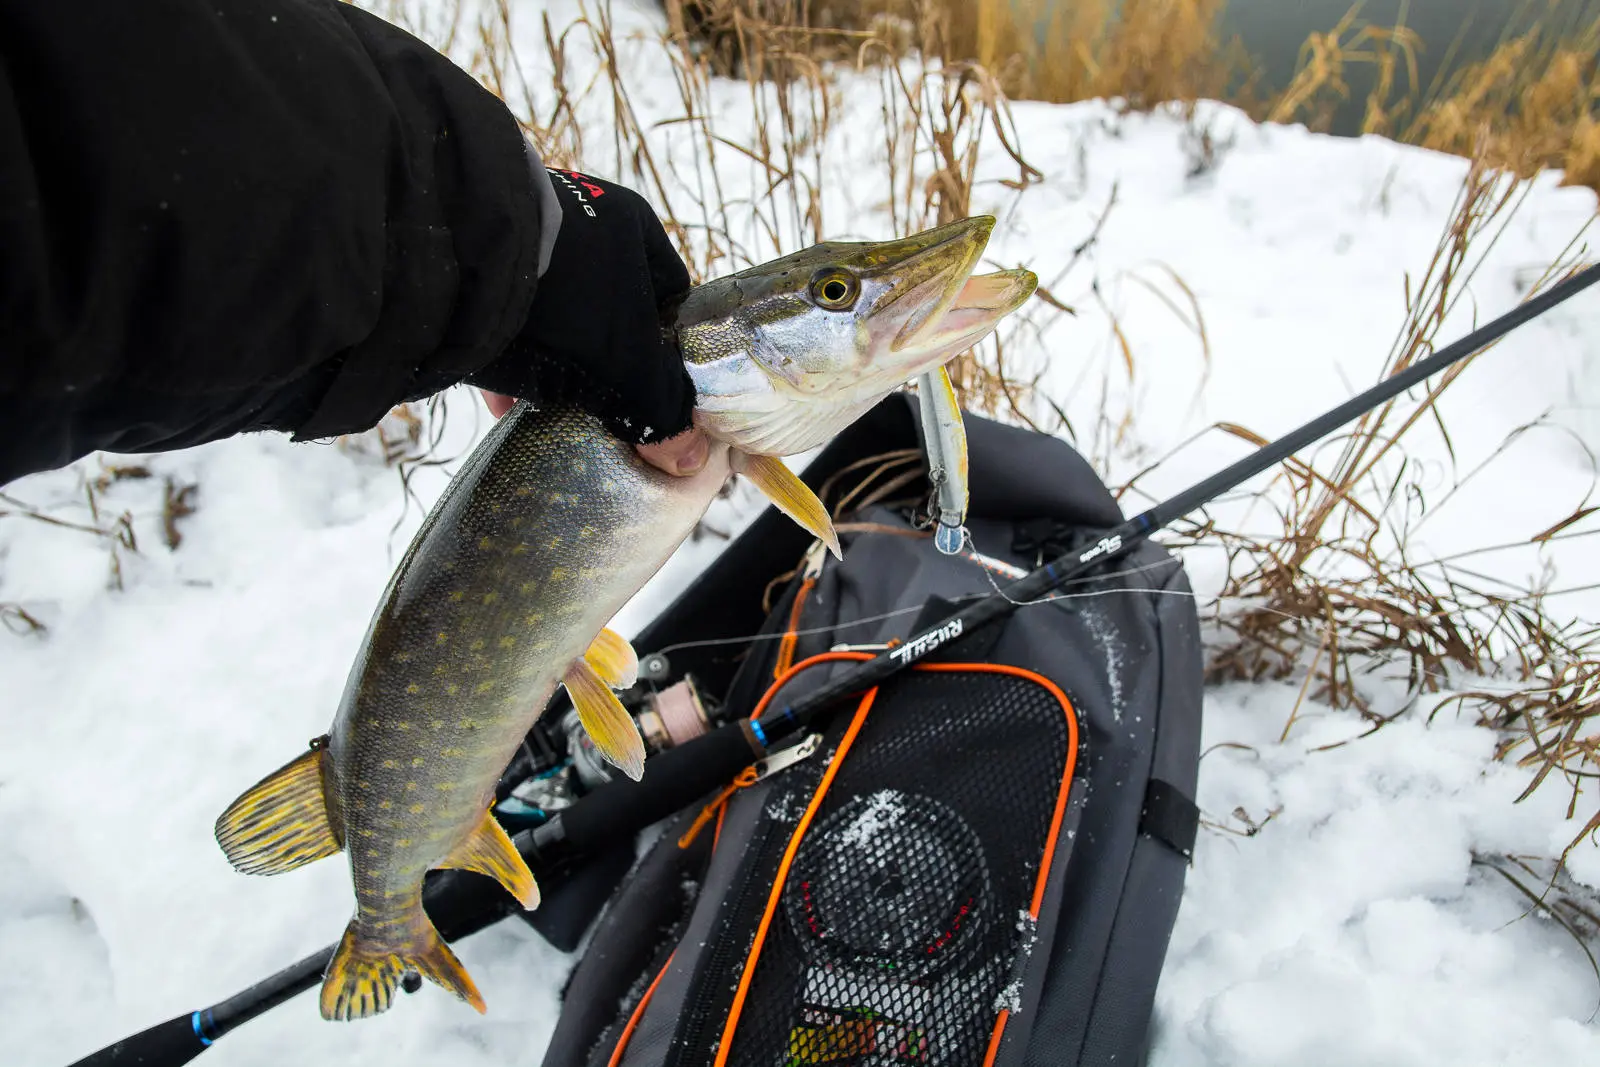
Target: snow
[{"x": 1353, "y": 927}]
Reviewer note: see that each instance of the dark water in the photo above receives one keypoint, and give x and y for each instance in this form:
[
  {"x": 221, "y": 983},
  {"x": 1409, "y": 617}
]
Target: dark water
[{"x": 1273, "y": 30}]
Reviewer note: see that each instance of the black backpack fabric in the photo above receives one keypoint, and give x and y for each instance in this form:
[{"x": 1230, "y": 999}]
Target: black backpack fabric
[{"x": 980, "y": 863}]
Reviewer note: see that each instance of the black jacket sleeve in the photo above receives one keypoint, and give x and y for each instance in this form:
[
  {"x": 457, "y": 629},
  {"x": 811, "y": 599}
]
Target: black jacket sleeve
[{"x": 221, "y": 215}]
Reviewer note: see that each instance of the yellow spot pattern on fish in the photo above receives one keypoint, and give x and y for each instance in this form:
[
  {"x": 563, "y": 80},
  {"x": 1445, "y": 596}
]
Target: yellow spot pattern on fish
[
  {"x": 484, "y": 687},
  {"x": 490, "y": 597},
  {"x": 559, "y": 574},
  {"x": 413, "y": 689},
  {"x": 416, "y": 761},
  {"x": 444, "y": 787},
  {"x": 452, "y": 689},
  {"x": 385, "y": 804},
  {"x": 390, "y": 765},
  {"x": 508, "y": 642},
  {"x": 417, "y": 809},
  {"x": 457, "y": 597},
  {"x": 486, "y": 543},
  {"x": 436, "y": 724},
  {"x": 441, "y": 638}
]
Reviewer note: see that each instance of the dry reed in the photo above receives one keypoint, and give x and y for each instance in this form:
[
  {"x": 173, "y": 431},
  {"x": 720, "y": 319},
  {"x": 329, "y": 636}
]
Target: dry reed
[{"x": 1338, "y": 592}]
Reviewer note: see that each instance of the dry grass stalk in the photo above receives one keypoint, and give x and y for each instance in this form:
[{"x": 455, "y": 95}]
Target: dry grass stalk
[
  {"x": 177, "y": 502},
  {"x": 1339, "y": 583},
  {"x": 1535, "y": 99},
  {"x": 395, "y": 440},
  {"x": 116, "y": 532},
  {"x": 1319, "y": 84},
  {"x": 16, "y": 619},
  {"x": 1533, "y": 103}
]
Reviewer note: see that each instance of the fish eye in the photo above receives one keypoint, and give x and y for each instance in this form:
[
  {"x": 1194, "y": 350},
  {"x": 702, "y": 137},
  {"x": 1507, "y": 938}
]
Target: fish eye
[{"x": 835, "y": 289}]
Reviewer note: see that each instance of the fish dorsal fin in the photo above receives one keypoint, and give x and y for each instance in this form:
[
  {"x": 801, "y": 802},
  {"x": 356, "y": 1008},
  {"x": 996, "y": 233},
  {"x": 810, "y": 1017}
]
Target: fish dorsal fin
[
  {"x": 281, "y": 822},
  {"x": 606, "y": 721},
  {"x": 789, "y": 495},
  {"x": 613, "y": 659},
  {"x": 487, "y": 850}
]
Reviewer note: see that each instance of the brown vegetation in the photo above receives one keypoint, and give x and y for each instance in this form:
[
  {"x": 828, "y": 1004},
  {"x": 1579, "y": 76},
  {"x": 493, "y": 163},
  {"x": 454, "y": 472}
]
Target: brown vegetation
[{"x": 1533, "y": 103}]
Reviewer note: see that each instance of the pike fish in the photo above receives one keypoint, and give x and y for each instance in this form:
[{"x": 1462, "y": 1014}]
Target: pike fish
[{"x": 546, "y": 532}]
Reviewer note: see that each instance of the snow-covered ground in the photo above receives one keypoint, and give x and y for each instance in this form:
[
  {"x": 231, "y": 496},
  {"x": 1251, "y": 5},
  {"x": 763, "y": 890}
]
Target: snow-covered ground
[{"x": 1353, "y": 928}]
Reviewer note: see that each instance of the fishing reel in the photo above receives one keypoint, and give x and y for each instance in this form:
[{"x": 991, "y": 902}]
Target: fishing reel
[{"x": 558, "y": 763}]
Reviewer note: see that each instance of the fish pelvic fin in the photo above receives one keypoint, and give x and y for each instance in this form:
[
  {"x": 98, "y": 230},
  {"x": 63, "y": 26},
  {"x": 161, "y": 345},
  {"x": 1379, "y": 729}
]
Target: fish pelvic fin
[
  {"x": 362, "y": 975},
  {"x": 281, "y": 822},
  {"x": 613, "y": 659},
  {"x": 789, "y": 495},
  {"x": 604, "y": 719},
  {"x": 487, "y": 850}
]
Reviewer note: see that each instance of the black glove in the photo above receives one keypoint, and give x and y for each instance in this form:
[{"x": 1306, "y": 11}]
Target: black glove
[{"x": 598, "y": 334}]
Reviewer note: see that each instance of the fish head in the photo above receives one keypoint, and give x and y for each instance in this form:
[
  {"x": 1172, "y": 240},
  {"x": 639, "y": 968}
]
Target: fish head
[{"x": 786, "y": 354}]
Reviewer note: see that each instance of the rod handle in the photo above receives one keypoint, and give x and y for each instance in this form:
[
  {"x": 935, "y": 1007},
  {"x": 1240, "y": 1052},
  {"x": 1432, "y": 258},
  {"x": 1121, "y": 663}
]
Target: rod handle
[{"x": 168, "y": 1044}]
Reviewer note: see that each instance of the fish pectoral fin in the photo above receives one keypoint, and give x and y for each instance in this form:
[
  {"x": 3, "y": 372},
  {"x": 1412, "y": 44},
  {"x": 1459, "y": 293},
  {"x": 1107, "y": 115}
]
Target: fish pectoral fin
[
  {"x": 281, "y": 822},
  {"x": 613, "y": 659},
  {"x": 789, "y": 495},
  {"x": 487, "y": 850},
  {"x": 606, "y": 721},
  {"x": 362, "y": 975}
]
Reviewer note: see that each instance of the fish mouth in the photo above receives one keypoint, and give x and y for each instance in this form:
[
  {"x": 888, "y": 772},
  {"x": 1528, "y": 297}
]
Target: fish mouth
[
  {"x": 948, "y": 306},
  {"x": 978, "y": 306},
  {"x": 928, "y": 272}
]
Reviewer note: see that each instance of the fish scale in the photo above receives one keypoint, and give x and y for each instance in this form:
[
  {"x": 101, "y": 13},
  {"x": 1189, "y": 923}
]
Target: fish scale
[
  {"x": 546, "y": 532},
  {"x": 479, "y": 623}
]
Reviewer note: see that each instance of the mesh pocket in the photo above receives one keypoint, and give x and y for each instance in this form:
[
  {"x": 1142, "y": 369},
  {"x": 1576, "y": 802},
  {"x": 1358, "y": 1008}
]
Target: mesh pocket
[{"x": 908, "y": 905}]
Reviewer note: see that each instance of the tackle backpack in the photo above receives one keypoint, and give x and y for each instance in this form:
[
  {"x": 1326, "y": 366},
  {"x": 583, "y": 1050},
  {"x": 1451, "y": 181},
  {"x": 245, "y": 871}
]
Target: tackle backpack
[{"x": 978, "y": 863}]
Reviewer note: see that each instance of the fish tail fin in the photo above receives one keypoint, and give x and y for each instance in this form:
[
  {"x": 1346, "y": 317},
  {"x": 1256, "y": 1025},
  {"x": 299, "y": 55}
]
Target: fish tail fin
[
  {"x": 362, "y": 975},
  {"x": 435, "y": 962},
  {"x": 281, "y": 822}
]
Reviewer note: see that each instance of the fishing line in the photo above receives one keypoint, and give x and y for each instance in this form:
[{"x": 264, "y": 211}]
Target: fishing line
[
  {"x": 687, "y": 773},
  {"x": 964, "y": 598}
]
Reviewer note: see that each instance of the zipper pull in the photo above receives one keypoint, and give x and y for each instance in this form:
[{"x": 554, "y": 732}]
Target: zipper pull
[
  {"x": 812, "y": 563},
  {"x": 758, "y": 771}
]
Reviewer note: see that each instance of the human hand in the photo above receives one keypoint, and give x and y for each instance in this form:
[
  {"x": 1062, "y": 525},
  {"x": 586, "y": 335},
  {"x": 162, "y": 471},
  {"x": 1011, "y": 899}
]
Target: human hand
[
  {"x": 598, "y": 334},
  {"x": 682, "y": 455}
]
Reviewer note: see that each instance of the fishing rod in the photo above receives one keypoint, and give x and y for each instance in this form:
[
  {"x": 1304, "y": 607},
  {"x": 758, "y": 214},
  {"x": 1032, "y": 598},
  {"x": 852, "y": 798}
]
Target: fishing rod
[{"x": 460, "y": 903}]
